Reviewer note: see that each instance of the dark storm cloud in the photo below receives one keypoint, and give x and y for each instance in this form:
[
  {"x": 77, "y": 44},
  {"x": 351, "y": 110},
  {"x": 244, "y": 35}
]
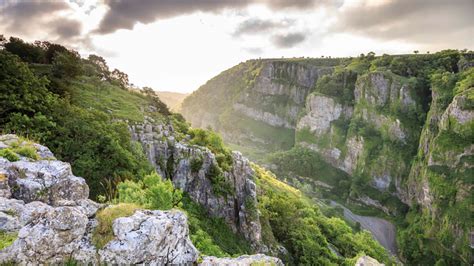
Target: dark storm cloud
[
  {"x": 21, "y": 16},
  {"x": 421, "y": 21},
  {"x": 124, "y": 14},
  {"x": 66, "y": 28},
  {"x": 288, "y": 40},
  {"x": 30, "y": 17},
  {"x": 255, "y": 26}
]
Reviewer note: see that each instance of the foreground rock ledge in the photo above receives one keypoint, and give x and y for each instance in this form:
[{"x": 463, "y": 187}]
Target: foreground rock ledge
[{"x": 48, "y": 208}]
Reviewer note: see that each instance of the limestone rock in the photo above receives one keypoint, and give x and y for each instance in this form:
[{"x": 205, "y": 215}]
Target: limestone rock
[
  {"x": 367, "y": 261},
  {"x": 259, "y": 115},
  {"x": 48, "y": 234},
  {"x": 257, "y": 259},
  {"x": 150, "y": 237},
  {"x": 321, "y": 111},
  {"x": 46, "y": 180},
  {"x": 173, "y": 160},
  {"x": 56, "y": 224}
]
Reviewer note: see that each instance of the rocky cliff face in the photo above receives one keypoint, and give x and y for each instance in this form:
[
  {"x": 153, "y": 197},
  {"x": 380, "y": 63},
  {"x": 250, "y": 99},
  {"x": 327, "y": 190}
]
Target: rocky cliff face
[
  {"x": 53, "y": 223},
  {"x": 404, "y": 137},
  {"x": 369, "y": 137},
  {"x": 189, "y": 168},
  {"x": 264, "y": 97}
]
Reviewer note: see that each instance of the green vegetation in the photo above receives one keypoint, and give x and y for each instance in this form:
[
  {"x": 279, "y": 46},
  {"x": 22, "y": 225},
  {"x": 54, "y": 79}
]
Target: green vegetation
[
  {"x": 304, "y": 162},
  {"x": 339, "y": 85},
  {"x": 7, "y": 239},
  {"x": 78, "y": 109},
  {"x": 299, "y": 225},
  {"x": 219, "y": 185},
  {"x": 396, "y": 137},
  {"x": 211, "y": 235},
  {"x": 255, "y": 135},
  {"x": 82, "y": 111},
  {"x": 211, "y": 140},
  {"x": 9, "y": 155},
  {"x": 103, "y": 233},
  {"x": 152, "y": 193}
]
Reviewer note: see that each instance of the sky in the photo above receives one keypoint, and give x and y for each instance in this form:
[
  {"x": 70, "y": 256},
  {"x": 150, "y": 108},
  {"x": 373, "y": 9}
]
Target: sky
[{"x": 177, "y": 45}]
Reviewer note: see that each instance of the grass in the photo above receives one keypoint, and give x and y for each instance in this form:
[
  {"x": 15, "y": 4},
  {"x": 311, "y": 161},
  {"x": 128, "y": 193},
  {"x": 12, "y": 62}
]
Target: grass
[
  {"x": 121, "y": 104},
  {"x": 23, "y": 147},
  {"x": 28, "y": 151},
  {"x": 9, "y": 155},
  {"x": 103, "y": 233},
  {"x": 7, "y": 239}
]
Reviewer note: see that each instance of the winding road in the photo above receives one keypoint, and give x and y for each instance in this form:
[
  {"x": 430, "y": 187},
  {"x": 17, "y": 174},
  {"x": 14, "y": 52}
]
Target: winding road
[{"x": 382, "y": 230}]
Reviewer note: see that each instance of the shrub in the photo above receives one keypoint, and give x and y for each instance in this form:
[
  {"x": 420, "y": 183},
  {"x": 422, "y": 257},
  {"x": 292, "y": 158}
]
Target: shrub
[
  {"x": 211, "y": 140},
  {"x": 153, "y": 193},
  {"x": 220, "y": 186},
  {"x": 9, "y": 155},
  {"x": 196, "y": 164},
  {"x": 103, "y": 233}
]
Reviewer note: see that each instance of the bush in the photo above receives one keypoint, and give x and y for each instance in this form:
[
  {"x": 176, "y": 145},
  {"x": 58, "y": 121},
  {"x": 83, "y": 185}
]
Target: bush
[
  {"x": 211, "y": 140},
  {"x": 220, "y": 186},
  {"x": 196, "y": 164},
  {"x": 152, "y": 193}
]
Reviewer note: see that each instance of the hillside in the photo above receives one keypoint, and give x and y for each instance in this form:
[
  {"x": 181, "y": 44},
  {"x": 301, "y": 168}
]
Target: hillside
[
  {"x": 172, "y": 99},
  {"x": 390, "y": 136},
  {"x": 81, "y": 132}
]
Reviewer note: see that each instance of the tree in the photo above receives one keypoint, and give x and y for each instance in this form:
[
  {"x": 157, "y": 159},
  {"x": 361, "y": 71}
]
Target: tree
[
  {"x": 20, "y": 90},
  {"x": 101, "y": 66},
  {"x": 27, "y": 52},
  {"x": 66, "y": 65},
  {"x": 121, "y": 78},
  {"x": 416, "y": 51},
  {"x": 156, "y": 102},
  {"x": 50, "y": 50}
]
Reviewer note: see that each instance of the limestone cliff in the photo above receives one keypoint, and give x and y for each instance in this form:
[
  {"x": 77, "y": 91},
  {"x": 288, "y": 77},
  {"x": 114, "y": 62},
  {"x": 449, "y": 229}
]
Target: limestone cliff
[
  {"x": 400, "y": 127},
  {"x": 257, "y": 102},
  {"x": 190, "y": 167}
]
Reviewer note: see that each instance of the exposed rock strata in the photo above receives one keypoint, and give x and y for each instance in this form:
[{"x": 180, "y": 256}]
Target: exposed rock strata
[{"x": 173, "y": 159}]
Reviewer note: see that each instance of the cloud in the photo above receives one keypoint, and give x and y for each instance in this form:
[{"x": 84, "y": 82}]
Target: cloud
[
  {"x": 124, "y": 14},
  {"x": 255, "y": 26},
  {"x": 288, "y": 40},
  {"x": 27, "y": 18},
  {"x": 66, "y": 28},
  {"x": 418, "y": 21}
]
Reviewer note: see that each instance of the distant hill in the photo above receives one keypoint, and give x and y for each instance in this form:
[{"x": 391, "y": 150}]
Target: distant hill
[{"x": 172, "y": 99}]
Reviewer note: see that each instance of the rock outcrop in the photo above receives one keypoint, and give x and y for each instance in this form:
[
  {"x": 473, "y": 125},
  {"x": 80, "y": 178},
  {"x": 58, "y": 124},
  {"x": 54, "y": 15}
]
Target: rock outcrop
[
  {"x": 154, "y": 237},
  {"x": 258, "y": 259},
  {"x": 49, "y": 210},
  {"x": 367, "y": 261},
  {"x": 265, "y": 97},
  {"x": 189, "y": 168}
]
